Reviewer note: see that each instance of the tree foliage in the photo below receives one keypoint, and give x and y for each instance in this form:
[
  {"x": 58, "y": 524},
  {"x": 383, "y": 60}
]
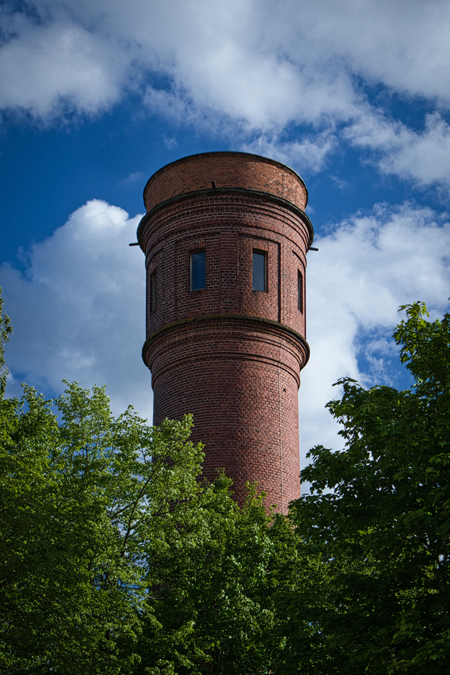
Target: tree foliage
[
  {"x": 5, "y": 331},
  {"x": 81, "y": 494},
  {"x": 214, "y": 588},
  {"x": 379, "y": 514},
  {"x": 115, "y": 558}
]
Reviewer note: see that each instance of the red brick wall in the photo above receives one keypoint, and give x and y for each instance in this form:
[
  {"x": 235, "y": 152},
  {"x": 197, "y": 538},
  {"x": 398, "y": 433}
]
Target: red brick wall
[
  {"x": 229, "y": 227},
  {"x": 230, "y": 355},
  {"x": 240, "y": 380},
  {"x": 226, "y": 169}
]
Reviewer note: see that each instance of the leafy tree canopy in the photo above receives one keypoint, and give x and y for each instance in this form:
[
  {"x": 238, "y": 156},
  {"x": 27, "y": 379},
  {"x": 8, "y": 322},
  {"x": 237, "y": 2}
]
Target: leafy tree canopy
[
  {"x": 214, "y": 588},
  {"x": 83, "y": 498},
  {"x": 378, "y": 517},
  {"x": 116, "y": 559}
]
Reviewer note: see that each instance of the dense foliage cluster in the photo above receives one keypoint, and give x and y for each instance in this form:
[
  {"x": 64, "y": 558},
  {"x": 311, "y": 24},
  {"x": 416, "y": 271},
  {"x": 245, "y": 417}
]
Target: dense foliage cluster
[
  {"x": 115, "y": 558},
  {"x": 379, "y": 515}
]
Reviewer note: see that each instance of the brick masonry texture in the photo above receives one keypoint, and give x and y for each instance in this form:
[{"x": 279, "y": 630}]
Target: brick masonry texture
[
  {"x": 230, "y": 355},
  {"x": 230, "y": 169}
]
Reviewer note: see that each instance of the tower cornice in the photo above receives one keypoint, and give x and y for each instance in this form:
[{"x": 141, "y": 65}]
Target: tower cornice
[{"x": 268, "y": 196}]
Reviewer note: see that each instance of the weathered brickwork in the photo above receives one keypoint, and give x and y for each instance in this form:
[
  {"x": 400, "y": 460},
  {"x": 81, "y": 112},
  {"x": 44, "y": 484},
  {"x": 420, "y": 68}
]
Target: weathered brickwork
[
  {"x": 230, "y": 355},
  {"x": 231, "y": 169}
]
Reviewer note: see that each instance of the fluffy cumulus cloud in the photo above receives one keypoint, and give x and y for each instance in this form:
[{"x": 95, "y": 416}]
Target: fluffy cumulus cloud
[
  {"x": 423, "y": 156},
  {"x": 48, "y": 70},
  {"x": 248, "y": 67},
  {"x": 78, "y": 308},
  {"x": 365, "y": 269}
]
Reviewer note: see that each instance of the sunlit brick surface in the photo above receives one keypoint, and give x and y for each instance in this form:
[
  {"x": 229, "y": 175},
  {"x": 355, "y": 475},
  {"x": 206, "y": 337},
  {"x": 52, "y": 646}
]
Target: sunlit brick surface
[
  {"x": 230, "y": 355},
  {"x": 225, "y": 169}
]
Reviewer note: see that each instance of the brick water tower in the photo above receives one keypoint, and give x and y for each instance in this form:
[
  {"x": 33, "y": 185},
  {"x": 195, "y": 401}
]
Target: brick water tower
[{"x": 225, "y": 238}]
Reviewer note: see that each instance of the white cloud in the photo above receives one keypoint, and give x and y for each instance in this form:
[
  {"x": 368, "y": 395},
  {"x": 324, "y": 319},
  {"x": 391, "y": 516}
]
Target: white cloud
[
  {"x": 365, "y": 269},
  {"x": 264, "y": 63},
  {"x": 51, "y": 69},
  {"x": 423, "y": 157},
  {"x": 244, "y": 68},
  {"x": 401, "y": 44},
  {"x": 225, "y": 63},
  {"x": 78, "y": 310},
  {"x": 310, "y": 153},
  {"x": 132, "y": 178},
  {"x": 170, "y": 142}
]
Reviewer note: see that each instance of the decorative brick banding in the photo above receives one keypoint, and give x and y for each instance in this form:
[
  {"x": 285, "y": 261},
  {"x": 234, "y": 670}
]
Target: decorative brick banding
[{"x": 230, "y": 355}]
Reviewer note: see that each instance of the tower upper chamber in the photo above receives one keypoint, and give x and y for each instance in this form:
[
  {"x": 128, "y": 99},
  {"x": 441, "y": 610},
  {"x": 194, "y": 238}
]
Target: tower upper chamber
[{"x": 225, "y": 239}]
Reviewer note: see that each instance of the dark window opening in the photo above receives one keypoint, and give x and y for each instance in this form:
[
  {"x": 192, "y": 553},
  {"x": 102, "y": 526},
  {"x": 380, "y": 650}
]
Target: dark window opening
[
  {"x": 259, "y": 271},
  {"x": 300, "y": 291},
  {"x": 198, "y": 270},
  {"x": 153, "y": 291}
]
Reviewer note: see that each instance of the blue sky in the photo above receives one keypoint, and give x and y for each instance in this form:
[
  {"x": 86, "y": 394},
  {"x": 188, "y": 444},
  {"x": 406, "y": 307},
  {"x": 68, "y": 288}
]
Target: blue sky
[{"x": 96, "y": 96}]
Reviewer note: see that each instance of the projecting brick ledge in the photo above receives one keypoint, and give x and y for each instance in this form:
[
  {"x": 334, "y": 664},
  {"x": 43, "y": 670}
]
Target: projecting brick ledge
[
  {"x": 257, "y": 322},
  {"x": 269, "y": 196}
]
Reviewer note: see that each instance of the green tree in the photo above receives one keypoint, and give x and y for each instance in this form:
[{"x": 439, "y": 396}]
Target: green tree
[
  {"x": 114, "y": 558},
  {"x": 5, "y": 331},
  {"x": 378, "y": 516},
  {"x": 213, "y": 588},
  {"x": 84, "y": 498}
]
